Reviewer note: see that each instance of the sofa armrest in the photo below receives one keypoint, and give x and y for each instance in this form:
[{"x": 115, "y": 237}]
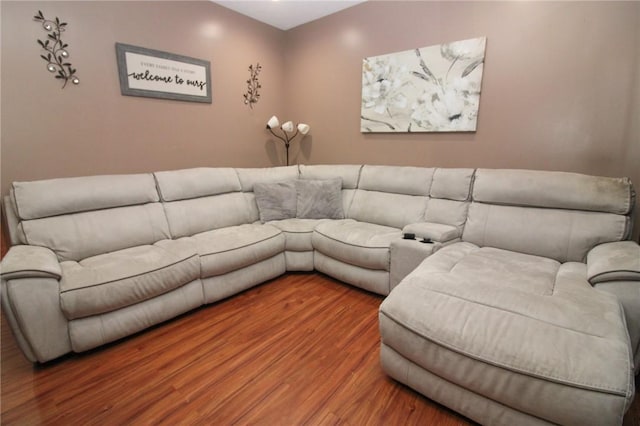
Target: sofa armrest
[
  {"x": 24, "y": 261},
  {"x": 30, "y": 299},
  {"x": 617, "y": 261},
  {"x": 436, "y": 232}
]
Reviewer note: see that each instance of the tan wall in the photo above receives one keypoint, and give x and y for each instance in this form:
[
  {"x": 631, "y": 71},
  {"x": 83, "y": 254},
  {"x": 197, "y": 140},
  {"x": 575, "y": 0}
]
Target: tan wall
[
  {"x": 631, "y": 165},
  {"x": 561, "y": 88},
  {"x": 92, "y": 129},
  {"x": 556, "y": 92}
]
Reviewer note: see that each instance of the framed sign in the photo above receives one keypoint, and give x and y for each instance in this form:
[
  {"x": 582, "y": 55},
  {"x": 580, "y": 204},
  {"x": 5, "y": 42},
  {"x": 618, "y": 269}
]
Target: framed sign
[{"x": 156, "y": 74}]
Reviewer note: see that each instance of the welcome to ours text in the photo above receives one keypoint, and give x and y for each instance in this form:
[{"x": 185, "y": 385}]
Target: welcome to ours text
[{"x": 168, "y": 79}]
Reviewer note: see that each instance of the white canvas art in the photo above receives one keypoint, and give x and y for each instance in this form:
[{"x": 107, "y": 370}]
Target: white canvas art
[{"x": 430, "y": 89}]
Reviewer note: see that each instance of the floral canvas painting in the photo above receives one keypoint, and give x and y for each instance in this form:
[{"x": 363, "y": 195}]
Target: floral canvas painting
[{"x": 430, "y": 89}]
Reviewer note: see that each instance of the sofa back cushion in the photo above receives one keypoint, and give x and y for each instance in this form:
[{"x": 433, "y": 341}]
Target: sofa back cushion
[
  {"x": 86, "y": 216},
  {"x": 78, "y": 236},
  {"x": 391, "y": 195},
  {"x": 552, "y": 214},
  {"x": 559, "y": 190},
  {"x": 202, "y": 199},
  {"x": 450, "y": 194},
  {"x": 349, "y": 173},
  {"x": 197, "y": 182},
  {"x": 249, "y": 176},
  {"x": 52, "y": 197}
]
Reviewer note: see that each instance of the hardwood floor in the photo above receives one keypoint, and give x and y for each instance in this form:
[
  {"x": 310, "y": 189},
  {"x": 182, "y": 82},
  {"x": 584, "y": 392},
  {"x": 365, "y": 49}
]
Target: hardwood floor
[{"x": 301, "y": 349}]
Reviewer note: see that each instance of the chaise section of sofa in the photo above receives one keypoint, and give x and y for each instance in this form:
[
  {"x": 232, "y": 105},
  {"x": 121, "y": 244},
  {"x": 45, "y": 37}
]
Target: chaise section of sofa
[{"x": 506, "y": 326}]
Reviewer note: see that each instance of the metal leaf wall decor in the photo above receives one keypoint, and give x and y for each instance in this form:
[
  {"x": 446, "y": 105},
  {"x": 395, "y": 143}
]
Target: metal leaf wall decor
[
  {"x": 56, "y": 55},
  {"x": 253, "y": 86}
]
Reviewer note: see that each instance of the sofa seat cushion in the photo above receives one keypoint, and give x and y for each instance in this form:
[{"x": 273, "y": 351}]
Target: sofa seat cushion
[
  {"x": 228, "y": 249},
  {"x": 525, "y": 331},
  {"x": 111, "y": 281},
  {"x": 297, "y": 232},
  {"x": 357, "y": 243}
]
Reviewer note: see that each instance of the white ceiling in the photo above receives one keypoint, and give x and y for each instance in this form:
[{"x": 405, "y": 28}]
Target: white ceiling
[{"x": 287, "y": 14}]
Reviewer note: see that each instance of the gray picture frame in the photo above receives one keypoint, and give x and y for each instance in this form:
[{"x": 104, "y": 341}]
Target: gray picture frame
[{"x": 176, "y": 85}]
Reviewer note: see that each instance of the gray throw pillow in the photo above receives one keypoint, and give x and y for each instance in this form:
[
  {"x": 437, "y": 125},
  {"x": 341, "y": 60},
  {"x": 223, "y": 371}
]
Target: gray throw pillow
[
  {"x": 276, "y": 201},
  {"x": 320, "y": 199}
]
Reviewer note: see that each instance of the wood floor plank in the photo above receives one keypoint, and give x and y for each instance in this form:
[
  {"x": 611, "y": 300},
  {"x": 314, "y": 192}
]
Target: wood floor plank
[{"x": 299, "y": 350}]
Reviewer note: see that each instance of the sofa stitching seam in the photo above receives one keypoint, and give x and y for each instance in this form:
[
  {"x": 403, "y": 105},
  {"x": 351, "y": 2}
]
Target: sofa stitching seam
[
  {"x": 132, "y": 276},
  {"x": 555, "y": 280},
  {"x": 355, "y": 191},
  {"x": 352, "y": 245},
  {"x": 15, "y": 202},
  {"x": 242, "y": 246},
  {"x": 569, "y": 237},
  {"x": 42, "y": 270},
  {"x": 516, "y": 313},
  {"x": 574, "y": 383},
  {"x": 486, "y": 223},
  {"x": 629, "y": 364},
  {"x": 625, "y": 271}
]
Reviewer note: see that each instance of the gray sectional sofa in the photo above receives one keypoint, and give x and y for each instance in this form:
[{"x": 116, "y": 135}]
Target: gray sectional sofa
[{"x": 517, "y": 300}]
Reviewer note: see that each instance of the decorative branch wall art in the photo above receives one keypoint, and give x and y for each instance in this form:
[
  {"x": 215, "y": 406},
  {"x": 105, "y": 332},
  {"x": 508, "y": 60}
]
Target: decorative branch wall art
[
  {"x": 253, "y": 86},
  {"x": 430, "y": 89},
  {"x": 57, "y": 54}
]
